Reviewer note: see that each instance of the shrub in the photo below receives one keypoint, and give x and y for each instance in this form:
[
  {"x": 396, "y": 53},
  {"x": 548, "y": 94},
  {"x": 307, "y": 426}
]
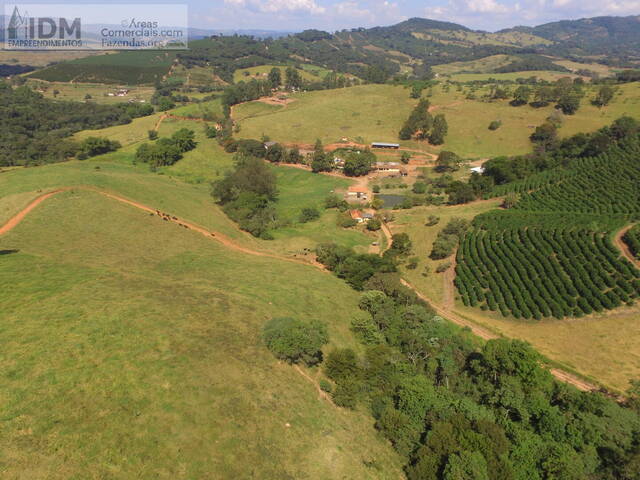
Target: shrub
[
  {"x": 325, "y": 385},
  {"x": 412, "y": 264},
  {"x": 432, "y": 220},
  {"x": 374, "y": 225},
  {"x": 294, "y": 341},
  {"x": 443, "y": 267},
  {"x": 308, "y": 214},
  {"x": 496, "y": 124}
]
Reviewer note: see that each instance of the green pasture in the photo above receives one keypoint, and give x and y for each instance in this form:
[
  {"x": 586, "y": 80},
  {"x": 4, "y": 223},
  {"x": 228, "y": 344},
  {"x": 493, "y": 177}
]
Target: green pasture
[
  {"x": 98, "y": 92},
  {"x": 377, "y": 112},
  {"x": 309, "y": 73},
  {"x": 131, "y": 349}
]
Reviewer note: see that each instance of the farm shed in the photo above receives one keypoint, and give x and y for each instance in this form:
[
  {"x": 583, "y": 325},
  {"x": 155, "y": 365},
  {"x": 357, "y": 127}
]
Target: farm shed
[{"x": 385, "y": 145}]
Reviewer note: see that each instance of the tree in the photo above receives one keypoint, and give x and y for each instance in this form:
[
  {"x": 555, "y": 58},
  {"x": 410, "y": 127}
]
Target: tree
[
  {"x": 466, "y": 466},
  {"x": 569, "y": 103},
  {"x": 604, "y": 96},
  {"x": 184, "y": 139},
  {"x": 294, "y": 341},
  {"x": 460, "y": 192},
  {"x": 400, "y": 243},
  {"x": 165, "y": 104},
  {"x": 276, "y": 153},
  {"x": 543, "y": 96},
  {"x": 448, "y": 161},
  {"x": 275, "y": 77},
  {"x": 152, "y": 134},
  {"x": 357, "y": 164},
  {"x": 249, "y": 175},
  {"x": 293, "y": 80},
  {"x": 521, "y": 96},
  {"x": 374, "y": 225},
  {"x": 405, "y": 157},
  {"x": 320, "y": 162},
  {"x": 92, "y": 146},
  {"x": 545, "y": 134},
  {"x": 439, "y": 130}
]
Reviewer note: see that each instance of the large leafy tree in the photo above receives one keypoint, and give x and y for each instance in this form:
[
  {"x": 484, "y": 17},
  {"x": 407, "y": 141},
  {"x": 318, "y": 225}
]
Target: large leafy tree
[{"x": 294, "y": 340}]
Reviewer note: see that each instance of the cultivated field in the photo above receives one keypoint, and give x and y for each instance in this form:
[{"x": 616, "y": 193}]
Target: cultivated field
[
  {"x": 605, "y": 346},
  {"x": 126, "y": 338},
  {"x": 131, "y": 68}
]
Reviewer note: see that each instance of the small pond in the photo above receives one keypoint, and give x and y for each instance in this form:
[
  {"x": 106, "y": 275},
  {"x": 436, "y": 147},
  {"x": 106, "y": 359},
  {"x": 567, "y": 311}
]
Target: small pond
[{"x": 389, "y": 200}]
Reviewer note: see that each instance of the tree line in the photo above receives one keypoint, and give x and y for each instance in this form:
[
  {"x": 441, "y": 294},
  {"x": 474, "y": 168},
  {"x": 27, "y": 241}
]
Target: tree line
[
  {"x": 452, "y": 407},
  {"x": 35, "y": 130}
]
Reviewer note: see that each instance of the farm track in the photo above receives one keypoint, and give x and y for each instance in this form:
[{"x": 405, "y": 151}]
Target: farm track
[
  {"x": 219, "y": 237},
  {"x": 623, "y": 247},
  {"x": 485, "y": 334},
  {"x": 227, "y": 242}
]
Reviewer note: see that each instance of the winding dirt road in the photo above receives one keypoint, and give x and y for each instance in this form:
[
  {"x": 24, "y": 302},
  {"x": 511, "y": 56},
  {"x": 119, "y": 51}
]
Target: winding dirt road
[
  {"x": 227, "y": 242},
  {"x": 488, "y": 335},
  {"x": 219, "y": 237}
]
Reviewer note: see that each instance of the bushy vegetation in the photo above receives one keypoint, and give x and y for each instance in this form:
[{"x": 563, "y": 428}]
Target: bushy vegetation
[
  {"x": 558, "y": 159},
  {"x": 35, "y": 130},
  {"x": 92, "y": 146},
  {"x": 448, "y": 238},
  {"x": 422, "y": 125},
  {"x": 247, "y": 194},
  {"x": 166, "y": 151},
  {"x": 356, "y": 269},
  {"x": 296, "y": 341},
  {"x": 454, "y": 410}
]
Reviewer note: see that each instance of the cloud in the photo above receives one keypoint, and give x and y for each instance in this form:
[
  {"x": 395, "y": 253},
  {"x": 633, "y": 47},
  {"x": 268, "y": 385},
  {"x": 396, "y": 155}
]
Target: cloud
[
  {"x": 496, "y": 14},
  {"x": 279, "y": 6}
]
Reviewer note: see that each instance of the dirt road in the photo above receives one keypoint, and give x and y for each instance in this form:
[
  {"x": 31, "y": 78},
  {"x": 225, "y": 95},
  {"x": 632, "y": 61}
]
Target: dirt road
[
  {"x": 217, "y": 236},
  {"x": 488, "y": 335},
  {"x": 624, "y": 248},
  {"x": 227, "y": 242}
]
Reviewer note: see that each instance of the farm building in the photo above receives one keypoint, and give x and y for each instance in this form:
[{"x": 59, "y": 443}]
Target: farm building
[
  {"x": 479, "y": 170},
  {"x": 356, "y": 192},
  {"x": 360, "y": 217},
  {"x": 356, "y": 215},
  {"x": 393, "y": 168},
  {"x": 385, "y": 145}
]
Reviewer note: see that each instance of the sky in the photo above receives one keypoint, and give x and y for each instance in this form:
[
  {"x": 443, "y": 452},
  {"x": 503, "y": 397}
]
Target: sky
[{"x": 331, "y": 15}]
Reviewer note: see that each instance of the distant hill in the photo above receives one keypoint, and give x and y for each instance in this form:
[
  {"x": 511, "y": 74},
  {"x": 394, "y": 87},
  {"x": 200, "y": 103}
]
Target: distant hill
[
  {"x": 416, "y": 45},
  {"x": 619, "y": 36}
]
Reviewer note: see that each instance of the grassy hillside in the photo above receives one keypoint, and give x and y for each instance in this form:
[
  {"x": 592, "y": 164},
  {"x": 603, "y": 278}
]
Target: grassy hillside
[
  {"x": 376, "y": 113},
  {"x": 141, "y": 356}
]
